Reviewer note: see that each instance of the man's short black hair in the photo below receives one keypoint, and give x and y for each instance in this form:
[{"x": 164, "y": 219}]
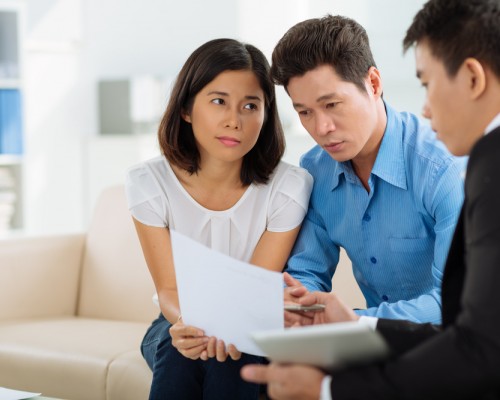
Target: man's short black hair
[
  {"x": 337, "y": 41},
  {"x": 458, "y": 29}
]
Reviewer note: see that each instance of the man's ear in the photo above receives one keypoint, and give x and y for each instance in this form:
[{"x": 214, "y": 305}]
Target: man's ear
[
  {"x": 475, "y": 76},
  {"x": 374, "y": 82},
  {"x": 185, "y": 116}
]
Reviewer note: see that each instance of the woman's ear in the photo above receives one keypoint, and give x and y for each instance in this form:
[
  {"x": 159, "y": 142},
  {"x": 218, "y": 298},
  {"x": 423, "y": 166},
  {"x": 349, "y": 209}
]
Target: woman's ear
[
  {"x": 185, "y": 116},
  {"x": 476, "y": 77}
]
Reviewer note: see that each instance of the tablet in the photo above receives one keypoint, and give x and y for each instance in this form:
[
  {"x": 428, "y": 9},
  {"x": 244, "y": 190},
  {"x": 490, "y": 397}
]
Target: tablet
[{"x": 325, "y": 346}]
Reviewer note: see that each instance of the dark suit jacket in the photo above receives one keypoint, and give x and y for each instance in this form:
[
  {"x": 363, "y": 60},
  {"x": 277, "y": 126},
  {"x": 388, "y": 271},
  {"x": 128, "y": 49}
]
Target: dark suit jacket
[{"x": 461, "y": 358}]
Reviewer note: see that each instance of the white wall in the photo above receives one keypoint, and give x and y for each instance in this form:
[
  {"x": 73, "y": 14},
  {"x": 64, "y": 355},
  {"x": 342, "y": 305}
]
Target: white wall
[
  {"x": 54, "y": 115},
  {"x": 71, "y": 44}
]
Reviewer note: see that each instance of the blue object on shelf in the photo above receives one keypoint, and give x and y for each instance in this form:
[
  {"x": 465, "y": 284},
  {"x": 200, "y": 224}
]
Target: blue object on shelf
[{"x": 11, "y": 129}]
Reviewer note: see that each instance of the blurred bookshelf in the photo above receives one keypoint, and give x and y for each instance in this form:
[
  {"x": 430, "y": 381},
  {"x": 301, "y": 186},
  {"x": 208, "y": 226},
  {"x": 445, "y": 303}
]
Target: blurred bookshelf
[{"x": 11, "y": 118}]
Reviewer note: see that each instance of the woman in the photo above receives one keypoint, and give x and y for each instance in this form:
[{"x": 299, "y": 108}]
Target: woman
[{"x": 219, "y": 181}]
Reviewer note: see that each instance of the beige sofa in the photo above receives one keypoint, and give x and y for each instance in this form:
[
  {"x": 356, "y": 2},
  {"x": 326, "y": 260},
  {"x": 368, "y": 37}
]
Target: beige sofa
[{"x": 74, "y": 308}]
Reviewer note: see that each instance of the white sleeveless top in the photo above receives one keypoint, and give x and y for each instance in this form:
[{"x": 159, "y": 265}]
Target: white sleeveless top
[{"x": 157, "y": 198}]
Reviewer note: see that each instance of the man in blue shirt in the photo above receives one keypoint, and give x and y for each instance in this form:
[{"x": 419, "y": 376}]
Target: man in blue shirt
[{"x": 385, "y": 189}]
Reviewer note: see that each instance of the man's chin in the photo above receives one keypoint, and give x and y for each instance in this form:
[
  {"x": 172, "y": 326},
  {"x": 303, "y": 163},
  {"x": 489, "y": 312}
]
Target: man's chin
[
  {"x": 339, "y": 158},
  {"x": 457, "y": 149}
]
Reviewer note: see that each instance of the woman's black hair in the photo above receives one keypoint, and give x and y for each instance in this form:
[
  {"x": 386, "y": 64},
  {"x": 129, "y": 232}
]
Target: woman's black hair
[{"x": 175, "y": 135}]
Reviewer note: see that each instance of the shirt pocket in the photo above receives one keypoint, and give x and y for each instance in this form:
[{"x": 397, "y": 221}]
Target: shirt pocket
[{"x": 409, "y": 245}]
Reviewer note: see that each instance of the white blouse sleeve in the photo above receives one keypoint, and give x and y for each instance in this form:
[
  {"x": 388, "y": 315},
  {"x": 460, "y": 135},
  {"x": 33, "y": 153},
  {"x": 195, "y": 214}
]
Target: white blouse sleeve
[
  {"x": 290, "y": 201},
  {"x": 144, "y": 198}
]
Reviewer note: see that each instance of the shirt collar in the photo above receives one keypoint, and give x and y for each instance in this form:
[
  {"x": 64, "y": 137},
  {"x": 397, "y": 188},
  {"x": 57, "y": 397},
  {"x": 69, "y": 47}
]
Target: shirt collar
[
  {"x": 389, "y": 164},
  {"x": 342, "y": 168},
  {"x": 495, "y": 123}
]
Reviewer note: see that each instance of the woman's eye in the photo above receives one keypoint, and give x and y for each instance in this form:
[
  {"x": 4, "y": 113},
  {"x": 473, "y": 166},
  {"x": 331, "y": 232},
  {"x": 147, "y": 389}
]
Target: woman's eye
[
  {"x": 251, "y": 106},
  {"x": 218, "y": 101},
  {"x": 331, "y": 105},
  {"x": 303, "y": 113}
]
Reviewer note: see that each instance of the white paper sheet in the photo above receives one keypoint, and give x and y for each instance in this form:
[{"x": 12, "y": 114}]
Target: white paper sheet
[
  {"x": 10, "y": 394},
  {"x": 227, "y": 298}
]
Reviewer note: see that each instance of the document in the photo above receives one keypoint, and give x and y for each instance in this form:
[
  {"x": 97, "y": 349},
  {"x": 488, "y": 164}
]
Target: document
[
  {"x": 10, "y": 394},
  {"x": 227, "y": 298}
]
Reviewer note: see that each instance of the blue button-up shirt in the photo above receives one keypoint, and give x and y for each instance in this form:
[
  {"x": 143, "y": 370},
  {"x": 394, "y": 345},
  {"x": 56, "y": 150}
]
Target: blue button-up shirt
[{"x": 397, "y": 235}]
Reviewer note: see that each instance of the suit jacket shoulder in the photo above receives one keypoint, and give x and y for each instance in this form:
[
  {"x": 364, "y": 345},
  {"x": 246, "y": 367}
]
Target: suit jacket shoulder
[{"x": 463, "y": 359}]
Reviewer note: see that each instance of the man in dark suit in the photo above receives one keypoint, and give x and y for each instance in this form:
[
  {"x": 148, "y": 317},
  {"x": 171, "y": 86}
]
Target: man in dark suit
[{"x": 457, "y": 49}]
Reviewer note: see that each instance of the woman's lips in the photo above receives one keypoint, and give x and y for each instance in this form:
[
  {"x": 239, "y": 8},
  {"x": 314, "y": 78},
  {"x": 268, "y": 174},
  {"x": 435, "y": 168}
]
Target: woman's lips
[{"x": 228, "y": 141}]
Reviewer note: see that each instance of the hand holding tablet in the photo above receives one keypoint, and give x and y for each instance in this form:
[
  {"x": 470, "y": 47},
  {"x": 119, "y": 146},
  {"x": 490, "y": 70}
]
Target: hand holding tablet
[{"x": 325, "y": 346}]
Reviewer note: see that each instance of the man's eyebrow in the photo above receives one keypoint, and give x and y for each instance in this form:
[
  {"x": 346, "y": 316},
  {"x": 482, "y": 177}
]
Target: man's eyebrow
[
  {"x": 324, "y": 97},
  {"x": 327, "y": 96}
]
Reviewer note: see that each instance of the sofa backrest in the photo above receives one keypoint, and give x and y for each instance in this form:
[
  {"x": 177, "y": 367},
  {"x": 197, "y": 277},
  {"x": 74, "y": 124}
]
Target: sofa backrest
[{"x": 115, "y": 282}]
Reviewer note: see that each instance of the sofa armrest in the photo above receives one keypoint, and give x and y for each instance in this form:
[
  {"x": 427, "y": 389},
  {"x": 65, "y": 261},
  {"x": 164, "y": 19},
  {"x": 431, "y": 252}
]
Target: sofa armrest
[{"x": 39, "y": 277}]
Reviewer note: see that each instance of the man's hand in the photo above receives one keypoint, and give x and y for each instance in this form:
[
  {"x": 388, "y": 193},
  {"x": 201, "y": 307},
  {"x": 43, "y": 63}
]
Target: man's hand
[
  {"x": 293, "y": 293},
  {"x": 335, "y": 310},
  {"x": 286, "y": 381},
  {"x": 294, "y": 290}
]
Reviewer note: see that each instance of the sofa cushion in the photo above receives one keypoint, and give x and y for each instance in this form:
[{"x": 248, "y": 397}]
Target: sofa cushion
[
  {"x": 115, "y": 282},
  {"x": 39, "y": 276},
  {"x": 129, "y": 377},
  {"x": 70, "y": 358}
]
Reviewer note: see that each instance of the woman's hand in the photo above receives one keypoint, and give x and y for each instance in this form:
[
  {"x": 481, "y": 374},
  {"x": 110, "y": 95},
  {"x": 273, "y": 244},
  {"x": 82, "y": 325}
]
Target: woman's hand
[
  {"x": 216, "y": 348},
  {"x": 191, "y": 342}
]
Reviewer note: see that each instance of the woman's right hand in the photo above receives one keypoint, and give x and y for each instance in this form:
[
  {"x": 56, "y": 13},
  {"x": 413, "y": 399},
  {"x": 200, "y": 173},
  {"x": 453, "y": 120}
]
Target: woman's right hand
[{"x": 191, "y": 342}]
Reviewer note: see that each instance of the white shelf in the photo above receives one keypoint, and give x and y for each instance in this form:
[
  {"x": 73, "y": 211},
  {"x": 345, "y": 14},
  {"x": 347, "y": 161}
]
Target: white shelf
[
  {"x": 10, "y": 159},
  {"x": 10, "y": 83}
]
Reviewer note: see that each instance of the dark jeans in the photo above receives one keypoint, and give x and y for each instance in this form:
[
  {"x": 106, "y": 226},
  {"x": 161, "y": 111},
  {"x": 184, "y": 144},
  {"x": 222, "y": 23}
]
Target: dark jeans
[{"x": 177, "y": 377}]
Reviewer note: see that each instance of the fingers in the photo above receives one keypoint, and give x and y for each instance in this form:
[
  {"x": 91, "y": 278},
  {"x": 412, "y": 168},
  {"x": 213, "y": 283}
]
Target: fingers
[
  {"x": 293, "y": 319},
  {"x": 193, "y": 352},
  {"x": 221, "y": 354},
  {"x": 294, "y": 288},
  {"x": 290, "y": 280},
  {"x": 286, "y": 381},
  {"x": 188, "y": 340},
  {"x": 292, "y": 294},
  {"x": 255, "y": 373},
  {"x": 216, "y": 348},
  {"x": 309, "y": 299},
  {"x": 180, "y": 329},
  {"x": 211, "y": 352},
  {"x": 234, "y": 353}
]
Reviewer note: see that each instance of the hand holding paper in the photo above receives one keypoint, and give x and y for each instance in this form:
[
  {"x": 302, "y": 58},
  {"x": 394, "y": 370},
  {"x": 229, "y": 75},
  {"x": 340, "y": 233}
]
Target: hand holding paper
[{"x": 225, "y": 297}]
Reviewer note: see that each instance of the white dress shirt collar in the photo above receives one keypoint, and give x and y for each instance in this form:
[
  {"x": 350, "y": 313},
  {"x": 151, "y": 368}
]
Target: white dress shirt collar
[{"x": 495, "y": 123}]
